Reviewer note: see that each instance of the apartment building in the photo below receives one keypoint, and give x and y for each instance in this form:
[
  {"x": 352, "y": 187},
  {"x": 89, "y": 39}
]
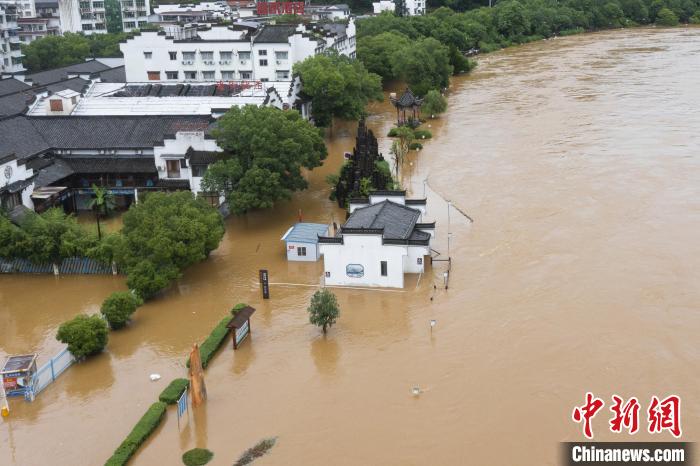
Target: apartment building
[
  {"x": 10, "y": 53},
  {"x": 232, "y": 53},
  {"x": 92, "y": 16}
]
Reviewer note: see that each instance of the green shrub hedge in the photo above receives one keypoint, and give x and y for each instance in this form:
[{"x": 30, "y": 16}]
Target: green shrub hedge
[
  {"x": 207, "y": 350},
  {"x": 173, "y": 392},
  {"x": 138, "y": 435},
  {"x": 415, "y": 146},
  {"x": 422, "y": 134},
  {"x": 237, "y": 308},
  {"x": 197, "y": 457}
]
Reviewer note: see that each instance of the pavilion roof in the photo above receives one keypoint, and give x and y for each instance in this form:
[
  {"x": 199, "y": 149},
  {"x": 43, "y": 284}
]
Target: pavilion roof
[{"x": 407, "y": 99}]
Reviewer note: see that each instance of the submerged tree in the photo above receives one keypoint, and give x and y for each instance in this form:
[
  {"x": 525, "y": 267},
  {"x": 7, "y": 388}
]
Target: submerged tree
[
  {"x": 102, "y": 204},
  {"x": 84, "y": 335},
  {"x": 323, "y": 310},
  {"x": 338, "y": 86},
  {"x": 434, "y": 103},
  {"x": 265, "y": 151},
  {"x": 401, "y": 146}
]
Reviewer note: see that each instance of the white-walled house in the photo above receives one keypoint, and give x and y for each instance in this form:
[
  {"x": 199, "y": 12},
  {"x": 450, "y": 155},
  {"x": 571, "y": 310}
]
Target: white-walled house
[
  {"x": 410, "y": 7},
  {"x": 301, "y": 241},
  {"x": 381, "y": 241},
  {"x": 16, "y": 183},
  {"x": 232, "y": 53}
]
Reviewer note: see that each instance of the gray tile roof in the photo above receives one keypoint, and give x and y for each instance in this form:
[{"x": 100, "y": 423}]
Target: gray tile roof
[
  {"x": 275, "y": 33},
  {"x": 14, "y": 104},
  {"x": 53, "y": 173},
  {"x": 12, "y": 85},
  {"x": 145, "y": 164},
  {"x": 25, "y": 136},
  {"x": 42, "y": 78},
  {"x": 74, "y": 84},
  {"x": 113, "y": 75},
  {"x": 398, "y": 221}
]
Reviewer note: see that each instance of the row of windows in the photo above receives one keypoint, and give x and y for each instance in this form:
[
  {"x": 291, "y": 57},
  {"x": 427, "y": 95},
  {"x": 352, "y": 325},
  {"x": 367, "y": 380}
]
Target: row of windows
[
  {"x": 211, "y": 75},
  {"x": 209, "y": 56}
]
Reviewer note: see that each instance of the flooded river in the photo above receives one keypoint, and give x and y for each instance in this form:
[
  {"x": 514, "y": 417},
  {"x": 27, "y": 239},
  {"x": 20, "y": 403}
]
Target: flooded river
[{"x": 578, "y": 159}]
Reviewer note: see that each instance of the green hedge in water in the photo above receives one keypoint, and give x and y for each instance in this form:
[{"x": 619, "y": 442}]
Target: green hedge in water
[{"x": 138, "y": 435}]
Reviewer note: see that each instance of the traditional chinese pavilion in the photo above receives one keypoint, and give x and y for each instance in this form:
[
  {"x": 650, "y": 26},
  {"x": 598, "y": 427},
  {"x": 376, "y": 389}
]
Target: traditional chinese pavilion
[{"x": 407, "y": 108}]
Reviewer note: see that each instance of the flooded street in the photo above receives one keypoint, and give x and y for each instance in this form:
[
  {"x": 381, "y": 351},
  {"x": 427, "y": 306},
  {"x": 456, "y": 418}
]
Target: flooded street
[{"x": 579, "y": 161}]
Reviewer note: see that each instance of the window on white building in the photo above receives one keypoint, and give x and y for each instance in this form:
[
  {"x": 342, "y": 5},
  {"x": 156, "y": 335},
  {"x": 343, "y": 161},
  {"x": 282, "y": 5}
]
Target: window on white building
[
  {"x": 263, "y": 62},
  {"x": 226, "y": 56},
  {"x": 244, "y": 55},
  {"x": 207, "y": 56},
  {"x": 87, "y": 27},
  {"x": 188, "y": 56},
  {"x": 147, "y": 55},
  {"x": 173, "y": 55},
  {"x": 354, "y": 271},
  {"x": 282, "y": 75},
  {"x": 301, "y": 251},
  {"x": 171, "y": 74},
  {"x": 208, "y": 75},
  {"x": 281, "y": 55},
  {"x": 262, "y": 53},
  {"x": 190, "y": 75},
  {"x": 173, "y": 168},
  {"x": 246, "y": 74},
  {"x": 228, "y": 75},
  {"x": 383, "y": 267},
  {"x": 153, "y": 75}
]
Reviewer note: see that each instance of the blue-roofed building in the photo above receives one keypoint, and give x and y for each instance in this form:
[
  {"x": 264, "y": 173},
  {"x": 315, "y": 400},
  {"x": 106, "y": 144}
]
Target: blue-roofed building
[{"x": 302, "y": 241}]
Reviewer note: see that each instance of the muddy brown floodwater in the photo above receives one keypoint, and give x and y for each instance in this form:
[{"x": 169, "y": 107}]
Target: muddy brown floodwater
[{"x": 578, "y": 159}]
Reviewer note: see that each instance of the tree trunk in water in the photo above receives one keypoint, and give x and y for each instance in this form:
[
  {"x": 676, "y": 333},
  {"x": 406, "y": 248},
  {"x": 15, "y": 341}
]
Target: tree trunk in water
[
  {"x": 324, "y": 328},
  {"x": 99, "y": 232},
  {"x": 55, "y": 268},
  {"x": 114, "y": 268}
]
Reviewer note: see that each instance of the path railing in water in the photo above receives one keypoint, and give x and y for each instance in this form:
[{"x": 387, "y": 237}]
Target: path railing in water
[
  {"x": 69, "y": 266},
  {"x": 48, "y": 373}
]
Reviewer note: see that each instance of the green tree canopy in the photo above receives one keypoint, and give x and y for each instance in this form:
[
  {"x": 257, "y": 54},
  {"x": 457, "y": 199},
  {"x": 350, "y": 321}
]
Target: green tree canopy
[
  {"x": 338, "y": 86},
  {"x": 323, "y": 309},
  {"x": 84, "y": 335},
  {"x": 53, "y": 236},
  {"x": 164, "y": 234},
  {"x": 265, "y": 152},
  {"x": 376, "y": 51},
  {"x": 433, "y": 103},
  {"x": 118, "y": 308},
  {"x": 424, "y": 66},
  {"x": 55, "y": 51},
  {"x": 666, "y": 17}
]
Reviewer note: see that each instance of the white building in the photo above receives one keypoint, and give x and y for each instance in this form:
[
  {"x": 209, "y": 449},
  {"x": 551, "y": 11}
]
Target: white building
[
  {"x": 336, "y": 12},
  {"x": 190, "y": 12},
  {"x": 10, "y": 53},
  {"x": 381, "y": 241},
  {"x": 16, "y": 183},
  {"x": 301, "y": 241},
  {"x": 232, "y": 53},
  {"x": 90, "y": 16},
  {"x": 408, "y": 7}
]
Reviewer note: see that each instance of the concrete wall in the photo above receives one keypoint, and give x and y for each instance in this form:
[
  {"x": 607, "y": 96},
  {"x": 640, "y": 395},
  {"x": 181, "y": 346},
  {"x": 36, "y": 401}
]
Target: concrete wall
[
  {"x": 312, "y": 253},
  {"x": 367, "y": 251},
  {"x": 175, "y": 149},
  {"x": 411, "y": 264}
]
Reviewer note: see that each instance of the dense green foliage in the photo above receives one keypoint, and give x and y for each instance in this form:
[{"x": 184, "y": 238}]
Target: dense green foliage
[
  {"x": 173, "y": 391},
  {"x": 265, "y": 151},
  {"x": 163, "y": 235},
  {"x": 382, "y": 40},
  {"x": 323, "y": 309},
  {"x": 433, "y": 103},
  {"x": 118, "y": 308},
  {"x": 70, "y": 48},
  {"x": 197, "y": 457},
  {"x": 216, "y": 338},
  {"x": 338, "y": 86},
  {"x": 146, "y": 425},
  {"x": 255, "y": 452},
  {"x": 84, "y": 335},
  {"x": 44, "y": 238}
]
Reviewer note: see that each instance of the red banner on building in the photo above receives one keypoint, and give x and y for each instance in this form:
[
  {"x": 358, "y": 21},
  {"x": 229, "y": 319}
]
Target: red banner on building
[{"x": 280, "y": 8}]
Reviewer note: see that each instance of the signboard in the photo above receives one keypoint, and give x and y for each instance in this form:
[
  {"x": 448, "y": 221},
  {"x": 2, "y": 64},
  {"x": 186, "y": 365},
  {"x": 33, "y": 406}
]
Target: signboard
[
  {"x": 265, "y": 283},
  {"x": 280, "y": 8},
  {"x": 242, "y": 332}
]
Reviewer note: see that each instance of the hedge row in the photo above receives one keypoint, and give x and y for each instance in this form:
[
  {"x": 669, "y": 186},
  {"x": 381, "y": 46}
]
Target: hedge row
[
  {"x": 207, "y": 350},
  {"x": 174, "y": 391},
  {"x": 138, "y": 435}
]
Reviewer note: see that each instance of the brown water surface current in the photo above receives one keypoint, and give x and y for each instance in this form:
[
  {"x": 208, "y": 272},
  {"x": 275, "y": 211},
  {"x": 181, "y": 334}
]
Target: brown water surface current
[{"x": 577, "y": 158}]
